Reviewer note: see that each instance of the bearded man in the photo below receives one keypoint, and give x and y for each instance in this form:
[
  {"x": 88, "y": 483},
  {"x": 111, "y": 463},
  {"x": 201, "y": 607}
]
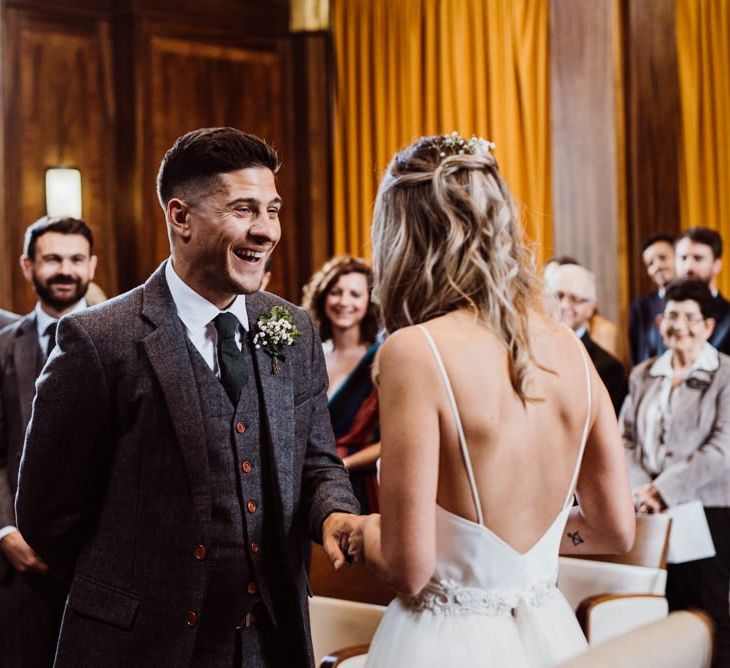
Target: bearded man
[{"x": 58, "y": 261}]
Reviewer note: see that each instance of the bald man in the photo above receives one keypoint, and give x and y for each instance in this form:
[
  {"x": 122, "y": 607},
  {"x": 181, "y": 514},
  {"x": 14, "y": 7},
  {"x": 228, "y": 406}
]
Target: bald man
[{"x": 574, "y": 288}]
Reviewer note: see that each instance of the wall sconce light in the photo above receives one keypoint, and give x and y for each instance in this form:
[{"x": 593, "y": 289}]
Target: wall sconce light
[{"x": 63, "y": 192}]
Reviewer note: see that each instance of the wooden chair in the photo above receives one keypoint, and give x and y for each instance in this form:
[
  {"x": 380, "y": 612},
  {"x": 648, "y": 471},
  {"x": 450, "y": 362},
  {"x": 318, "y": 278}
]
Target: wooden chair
[
  {"x": 682, "y": 640},
  {"x": 613, "y": 594},
  {"x": 353, "y": 583}
]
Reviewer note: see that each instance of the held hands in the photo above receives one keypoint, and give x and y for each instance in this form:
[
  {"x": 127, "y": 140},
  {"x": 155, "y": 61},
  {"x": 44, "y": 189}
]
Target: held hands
[
  {"x": 356, "y": 542},
  {"x": 20, "y": 554},
  {"x": 336, "y": 531},
  {"x": 648, "y": 500}
]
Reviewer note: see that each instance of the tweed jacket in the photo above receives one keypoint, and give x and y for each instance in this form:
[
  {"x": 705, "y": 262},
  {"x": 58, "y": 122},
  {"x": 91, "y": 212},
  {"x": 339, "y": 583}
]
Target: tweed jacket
[
  {"x": 698, "y": 441},
  {"x": 6, "y": 317},
  {"x": 21, "y": 360},
  {"x": 114, "y": 493}
]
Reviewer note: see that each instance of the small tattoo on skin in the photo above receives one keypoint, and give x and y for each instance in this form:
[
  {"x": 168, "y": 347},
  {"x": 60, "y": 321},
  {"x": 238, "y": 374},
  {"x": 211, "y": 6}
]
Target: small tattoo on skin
[{"x": 576, "y": 538}]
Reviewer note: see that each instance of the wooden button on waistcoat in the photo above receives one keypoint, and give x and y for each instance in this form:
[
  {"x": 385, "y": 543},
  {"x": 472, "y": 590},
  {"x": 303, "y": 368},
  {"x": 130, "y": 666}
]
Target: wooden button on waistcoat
[
  {"x": 241, "y": 427},
  {"x": 251, "y": 588},
  {"x": 200, "y": 552},
  {"x": 251, "y": 506},
  {"x": 255, "y": 547},
  {"x": 246, "y": 466},
  {"x": 192, "y": 618}
]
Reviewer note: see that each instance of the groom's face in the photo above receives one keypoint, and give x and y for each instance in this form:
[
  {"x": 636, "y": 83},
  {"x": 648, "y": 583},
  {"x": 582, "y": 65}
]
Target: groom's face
[{"x": 234, "y": 227}]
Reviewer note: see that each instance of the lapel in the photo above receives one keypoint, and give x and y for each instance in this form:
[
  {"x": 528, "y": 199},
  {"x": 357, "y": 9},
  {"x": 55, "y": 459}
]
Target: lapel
[
  {"x": 28, "y": 362},
  {"x": 277, "y": 397},
  {"x": 167, "y": 351}
]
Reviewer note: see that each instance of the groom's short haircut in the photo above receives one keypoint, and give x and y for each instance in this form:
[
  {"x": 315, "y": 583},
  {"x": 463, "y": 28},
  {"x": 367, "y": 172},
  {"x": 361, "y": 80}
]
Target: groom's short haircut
[{"x": 198, "y": 157}]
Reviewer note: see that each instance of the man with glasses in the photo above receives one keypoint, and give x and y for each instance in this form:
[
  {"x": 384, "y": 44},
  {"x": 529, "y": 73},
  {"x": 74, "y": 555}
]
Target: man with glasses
[{"x": 574, "y": 288}]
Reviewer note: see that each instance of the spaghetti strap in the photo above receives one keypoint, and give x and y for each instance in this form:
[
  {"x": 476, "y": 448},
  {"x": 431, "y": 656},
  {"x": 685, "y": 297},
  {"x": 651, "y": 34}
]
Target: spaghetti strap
[
  {"x": 586, "y": 425},
  {"x": 457, "y": 420}
]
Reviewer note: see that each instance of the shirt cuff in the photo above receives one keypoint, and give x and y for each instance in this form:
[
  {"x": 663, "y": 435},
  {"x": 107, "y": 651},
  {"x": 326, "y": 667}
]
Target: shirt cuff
[{"x": 4, "y": 531}]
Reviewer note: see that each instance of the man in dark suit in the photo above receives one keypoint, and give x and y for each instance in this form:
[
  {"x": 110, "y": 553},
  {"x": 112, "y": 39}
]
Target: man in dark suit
[
  {"x": 58, "y": 260},
  {"x": 574, "y": 288},
  {"x": 174, "y": 482},
  {"x": 699, "y": 255},
  {"x": 644, "y": 338},
  {"x": 6, "y": 317}
]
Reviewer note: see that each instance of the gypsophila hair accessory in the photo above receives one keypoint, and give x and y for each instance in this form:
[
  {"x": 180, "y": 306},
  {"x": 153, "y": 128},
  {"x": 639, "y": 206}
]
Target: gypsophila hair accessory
[{"x": 455, "y": 144}]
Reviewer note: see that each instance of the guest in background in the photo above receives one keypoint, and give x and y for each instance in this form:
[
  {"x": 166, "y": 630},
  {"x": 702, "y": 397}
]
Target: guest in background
[
  {"x": 699, "y": 255},
  {"x": 6, "y": 317},
  {"x": 676, "y": 429},
  {"x": 645, "y": 341},
  {"x": 338, "y": 299},
  {"x": 58, "y": 260},
  {"x": 602, "y": 330},
  {"x": 574, "y": 287}
]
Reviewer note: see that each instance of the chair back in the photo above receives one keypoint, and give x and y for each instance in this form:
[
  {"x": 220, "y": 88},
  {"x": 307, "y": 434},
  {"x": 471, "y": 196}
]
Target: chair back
[
  {"x": 681, "y": 640},
  {"x": 338, "y": 624},
  {"x": 354, "y": 583},
  {"x": 651, "y": 543}
]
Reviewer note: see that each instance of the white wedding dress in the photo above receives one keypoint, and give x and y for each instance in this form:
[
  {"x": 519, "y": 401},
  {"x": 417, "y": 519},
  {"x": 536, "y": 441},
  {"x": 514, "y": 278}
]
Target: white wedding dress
[{"x": 486, "y": 605}]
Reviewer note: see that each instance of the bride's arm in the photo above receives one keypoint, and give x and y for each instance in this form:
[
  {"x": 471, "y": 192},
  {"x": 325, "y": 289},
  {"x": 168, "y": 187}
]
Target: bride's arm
[
  {"x": 603, "y": 522},
  {"x": 409, "y": 425}
]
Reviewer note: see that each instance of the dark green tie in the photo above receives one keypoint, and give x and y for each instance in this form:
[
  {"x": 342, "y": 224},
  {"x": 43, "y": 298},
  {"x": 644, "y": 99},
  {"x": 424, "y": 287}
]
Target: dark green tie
[
  {"x": 232, "y": 362},
  {"x": 51, "y": 334}
]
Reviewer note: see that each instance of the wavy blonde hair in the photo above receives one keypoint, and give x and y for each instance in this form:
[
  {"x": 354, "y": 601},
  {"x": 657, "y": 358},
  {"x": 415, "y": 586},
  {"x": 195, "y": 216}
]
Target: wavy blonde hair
[{"x": 446, "y": 236}]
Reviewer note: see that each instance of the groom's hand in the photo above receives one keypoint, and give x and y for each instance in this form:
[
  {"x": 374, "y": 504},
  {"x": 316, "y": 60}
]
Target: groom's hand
[{"x": 336, "y": 530}]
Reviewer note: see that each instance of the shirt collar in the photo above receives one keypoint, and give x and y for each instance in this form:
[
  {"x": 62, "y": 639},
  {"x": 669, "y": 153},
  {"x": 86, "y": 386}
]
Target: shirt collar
[
  {"x": 43, "y": 319},
  {"x": 708, "y": 360},
  {"x": 195, "y": 310},
  {"x": 581, "y": 331}
]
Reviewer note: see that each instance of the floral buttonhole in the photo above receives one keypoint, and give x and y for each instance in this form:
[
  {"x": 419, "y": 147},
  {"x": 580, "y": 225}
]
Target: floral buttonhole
[{"x": 275, "y": 331}]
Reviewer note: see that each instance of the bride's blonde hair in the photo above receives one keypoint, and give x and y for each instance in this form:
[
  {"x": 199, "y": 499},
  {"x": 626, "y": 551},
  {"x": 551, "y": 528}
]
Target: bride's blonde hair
[{"x": 446, "y": 235}]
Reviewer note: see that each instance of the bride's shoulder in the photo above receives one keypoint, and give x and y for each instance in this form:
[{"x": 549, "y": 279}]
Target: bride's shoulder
[{"x": 407, "y": 346}]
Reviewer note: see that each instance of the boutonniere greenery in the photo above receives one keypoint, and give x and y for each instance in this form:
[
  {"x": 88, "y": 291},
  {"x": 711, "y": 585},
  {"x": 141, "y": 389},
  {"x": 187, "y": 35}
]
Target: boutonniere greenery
[{"x": 276, "y": 330}]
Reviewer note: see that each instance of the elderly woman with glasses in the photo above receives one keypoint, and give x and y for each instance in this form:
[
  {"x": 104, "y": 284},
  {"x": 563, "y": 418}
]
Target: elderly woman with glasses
[{"x": 676, "y": 429}]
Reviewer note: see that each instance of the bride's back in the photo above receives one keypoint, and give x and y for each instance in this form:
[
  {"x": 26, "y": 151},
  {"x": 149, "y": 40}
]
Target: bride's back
[{"x": 523, "y": 454}]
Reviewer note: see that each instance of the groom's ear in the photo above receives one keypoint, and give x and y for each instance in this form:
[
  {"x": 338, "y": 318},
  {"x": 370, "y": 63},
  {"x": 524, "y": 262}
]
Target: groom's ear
[{"x": 178, "y": 217}]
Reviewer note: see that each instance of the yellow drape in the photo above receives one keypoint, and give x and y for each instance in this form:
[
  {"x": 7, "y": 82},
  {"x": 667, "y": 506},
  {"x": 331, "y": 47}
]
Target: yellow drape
[
  {"x": 703, "y": 52},
  {"x": 407, "y": 68}
]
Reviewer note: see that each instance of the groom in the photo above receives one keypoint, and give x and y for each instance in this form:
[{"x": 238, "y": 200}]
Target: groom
[{"x": 174, "y": 464}]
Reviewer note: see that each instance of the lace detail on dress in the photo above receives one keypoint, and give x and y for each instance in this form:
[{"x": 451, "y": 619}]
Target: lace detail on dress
[{"x": 448, "y": 597}]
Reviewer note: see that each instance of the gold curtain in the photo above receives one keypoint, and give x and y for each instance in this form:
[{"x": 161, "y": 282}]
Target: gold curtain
[
  {"x": 703, "y": 51},
  {"x": 416, "y": 67}
]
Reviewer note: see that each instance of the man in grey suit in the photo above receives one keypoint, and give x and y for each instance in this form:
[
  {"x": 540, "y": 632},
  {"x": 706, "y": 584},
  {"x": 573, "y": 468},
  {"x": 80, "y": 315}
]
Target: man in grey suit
[
  {"x": 58, "y": 260},
  {"x": 173, "y": 484},
  {"x": 6, "y": 317}
]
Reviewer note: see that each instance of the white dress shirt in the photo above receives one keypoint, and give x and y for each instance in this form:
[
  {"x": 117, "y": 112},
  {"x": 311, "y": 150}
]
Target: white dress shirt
[
  {"x": 197, "y": 314},
  {"x": 43, "y": 320}
]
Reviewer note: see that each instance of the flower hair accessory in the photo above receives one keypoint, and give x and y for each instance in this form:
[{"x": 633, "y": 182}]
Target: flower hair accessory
[
  {"x": 455, "y": 144},
  {"x": 275, "y": 331}
]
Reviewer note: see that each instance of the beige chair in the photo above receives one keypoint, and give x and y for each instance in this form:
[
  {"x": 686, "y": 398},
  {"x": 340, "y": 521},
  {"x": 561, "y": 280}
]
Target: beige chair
[
  {"x": 616, "y": 593},
  {"x": 681, "y": 640},
  {"x": 337, "y": 624}
]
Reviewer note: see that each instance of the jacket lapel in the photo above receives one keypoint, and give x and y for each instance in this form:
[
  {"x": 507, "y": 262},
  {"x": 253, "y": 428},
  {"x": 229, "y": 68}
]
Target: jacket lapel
[
  {"x": 27, "y": 358},
  {"x": 278, "y": 407},
  {"x": 168, "y": 354}
]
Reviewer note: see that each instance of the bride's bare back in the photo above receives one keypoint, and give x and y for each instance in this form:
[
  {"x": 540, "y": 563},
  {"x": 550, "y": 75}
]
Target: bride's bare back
[{"x": 523, "y": 456}]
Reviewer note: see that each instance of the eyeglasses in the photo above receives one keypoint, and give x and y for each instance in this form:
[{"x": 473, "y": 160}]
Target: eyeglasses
[
  {"x": 689, "y": 318},
  {"x": 573, "y": 300}
]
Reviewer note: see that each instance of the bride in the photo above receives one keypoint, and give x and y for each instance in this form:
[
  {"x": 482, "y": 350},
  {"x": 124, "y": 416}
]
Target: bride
[{"x": 492, "y": 417}]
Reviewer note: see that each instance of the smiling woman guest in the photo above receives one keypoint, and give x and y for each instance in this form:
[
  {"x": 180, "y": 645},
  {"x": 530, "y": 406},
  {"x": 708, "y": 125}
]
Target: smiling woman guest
[
  {"x": 676, "y": 429},
  {"x": 338, "y": 299}
]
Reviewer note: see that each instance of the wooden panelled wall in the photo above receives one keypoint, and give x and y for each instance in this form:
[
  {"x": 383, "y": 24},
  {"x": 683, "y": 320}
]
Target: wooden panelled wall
[
  {"x": 107, "y": 85},
  {"x": 615, "y": 137}
]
